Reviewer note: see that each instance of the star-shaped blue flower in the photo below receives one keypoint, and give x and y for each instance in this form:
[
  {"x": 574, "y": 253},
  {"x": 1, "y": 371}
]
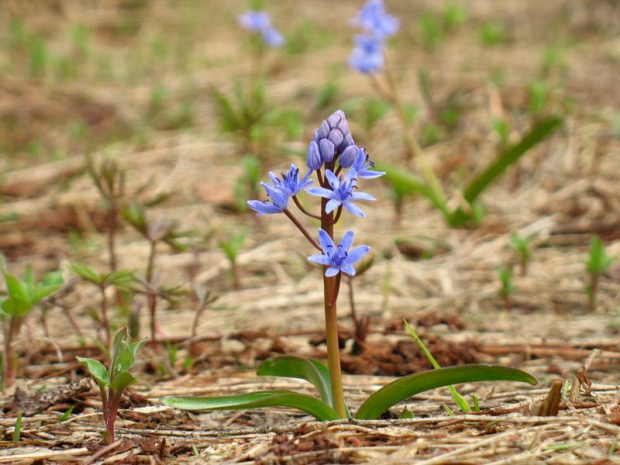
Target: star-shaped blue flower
[
  {"x": 290, "y": 182},
  {"x": 374, "y": 19},
  {"x": 362, "y": 166},
  {"x": 338, "y": 258},
  {"x": 341, "y": 193}
]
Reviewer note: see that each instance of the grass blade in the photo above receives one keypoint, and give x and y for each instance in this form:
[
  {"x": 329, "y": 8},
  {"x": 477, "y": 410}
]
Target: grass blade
[
  {"x": 403, "y": 388},
  {"x": 511, "y": 155},
  {"x": 311, "y": 405}
]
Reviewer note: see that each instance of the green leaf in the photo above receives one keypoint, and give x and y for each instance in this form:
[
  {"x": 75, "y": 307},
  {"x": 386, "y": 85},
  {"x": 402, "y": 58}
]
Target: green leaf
[
  {"x": 97, "y": 370},
  {"x": 122, "y": 381},
  {"x": 87, "y": 273},
  {"x": 403, "y": 388},
  {"x": 510, "y": 156},
  {"x": 311, "y": 405},
  {"x": 308, "y": 369}
]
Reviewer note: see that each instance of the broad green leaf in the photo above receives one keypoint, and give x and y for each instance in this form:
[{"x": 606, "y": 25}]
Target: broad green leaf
[
  {"x": 403, "y": 388},
  {"x": 122, "y": 381},
  {"x": 511, "y": 155},
  {"x": 97, "y": 370},
  {"x": 303, "y": 368},
  {"x": 16, "y": 287},
  {"x": 311, "y": 405}
]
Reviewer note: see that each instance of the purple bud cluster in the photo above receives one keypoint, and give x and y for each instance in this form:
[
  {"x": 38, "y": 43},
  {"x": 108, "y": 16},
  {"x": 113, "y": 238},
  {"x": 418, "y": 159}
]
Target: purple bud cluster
[
  {"x": 259, "y": 22},
  {"x": 378, "y": 26},
  {"x": 330, "y": 151}
]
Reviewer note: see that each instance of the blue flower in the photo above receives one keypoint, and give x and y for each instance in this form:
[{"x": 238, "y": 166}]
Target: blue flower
[
  {"x": 290, "y": 183},
  {"x": 259, "y": 21},
  {"x": 362, "y": 166},
  {"x": 279, "y": 201},
  {"x": 280, "y": 191},
  {"x": 339, "y": 258},
  {"x": 341, "y": 193},
  {"x": 255, "y": 21},
  {"x": 375, "y": 20},
  {"x": 367, "y": 56}
]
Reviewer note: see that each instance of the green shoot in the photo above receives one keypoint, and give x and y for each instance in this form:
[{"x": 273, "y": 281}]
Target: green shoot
[
  {"x": 523, "y": 250},
  {"x": 598, "y": 263},
  {"x": 65, "y": 416},
  {"x": 505, "y": 275},
  {"x": 248, "y": 183},
  {"x": 17, "y": 432},
  {"x": 23, "y": 296},
  {"x": 113, "y": 381},
  {"x": 122, "y": 279},
  {"x": 231, "y": 248},
  {"x": 459, "y": 399},
  {"x": 492, "y": 34}
]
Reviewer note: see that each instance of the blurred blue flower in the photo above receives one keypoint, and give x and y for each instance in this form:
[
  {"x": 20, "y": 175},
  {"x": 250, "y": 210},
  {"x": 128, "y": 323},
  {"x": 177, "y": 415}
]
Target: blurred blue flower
[
  {"x": 367, "y": 56},
  {"x": 341, "y": 193},
  {"x": 363, "y": 166},
  {"x": 376, "y": 21},
  {"x": 255, "y": 21},
  {"x": 338, "y": 258},
  {"x": 259, "y": 21}
]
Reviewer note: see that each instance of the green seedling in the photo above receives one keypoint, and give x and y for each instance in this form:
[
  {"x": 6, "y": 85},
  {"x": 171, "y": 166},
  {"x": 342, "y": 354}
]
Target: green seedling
[
  {"x": 523, "y": 250},
  {"x": 247, "y": 185},
  {"x": 17, "y": 432},
  {"x": 458, "y": 398},
  {"x": 232, "y": 247},
  {"x": 492, "y": 34},
  {"x": 109, "y": 179},
  {"x": 538, "y": 92},
  {"x": 23, "y": 296},
  {"x": 597, "y": 265},
  {"x": 506, "y": 275},
  {"x": 454, "y": 14},
  {"x": 121, "y": 280},
  {"x": 65, "y": 416},
  {"x": 433, "y": 33},
  {"x": 114, "y": 380}
]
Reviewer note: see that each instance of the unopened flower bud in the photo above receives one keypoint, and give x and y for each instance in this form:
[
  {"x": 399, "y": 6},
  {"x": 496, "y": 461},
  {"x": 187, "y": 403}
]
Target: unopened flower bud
[
  {"x": 327, "y": 150},
  {"x": 336, "y": 137},
  {"x": 343, "y": 127},
  {"x": 334, "y": 119},
  {"x": 348, "y": 156},
  {"x": 322, "y": 132},
  {"x": 314, "y": 161}
]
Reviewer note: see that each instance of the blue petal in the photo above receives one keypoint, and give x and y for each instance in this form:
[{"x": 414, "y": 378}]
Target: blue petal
[
  {"x": 263, "y": 208},
  {"x": 325, "y": 241},
  {"x": 354, "y": 209},
  {"x": 321, "y": 192},
  {"x": 332, "y": 205},
  {"x": 332, "y": 271},
  {"x": 356, "y": 254},
  {"x": 332, "y": 179},
  {"x": 348, "y": 269},
  {"x": 320, "y": 258},
  {"x": 368, "y": 174},
  {"x": 361, "y": 196},
  {"x": 347, "y": 240}
]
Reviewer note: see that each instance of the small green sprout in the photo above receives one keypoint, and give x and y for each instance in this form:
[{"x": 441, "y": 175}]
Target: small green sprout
[
  {"x": 122, "y": 279},
  {"x": 17, "y": 432},
  {"x": 523, "y": 250},
  {"x": 492, "y": 34},
  {"x": 231, "y": 248},
  {"x": 458, "y": 398},
  {"x": 506, "y": 275},
  {"x": 598, "y": 263},
  {"x": 113, "y": 381},
  {"x": 23, "y": 296}
]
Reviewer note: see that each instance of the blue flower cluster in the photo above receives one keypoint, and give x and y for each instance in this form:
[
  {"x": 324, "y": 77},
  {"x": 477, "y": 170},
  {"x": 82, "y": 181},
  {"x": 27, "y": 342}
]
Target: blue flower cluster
[
  {"x": 259, "y": 21},
  {"x": 367, "y": 56},
  {"x": 331, "y": 151}
]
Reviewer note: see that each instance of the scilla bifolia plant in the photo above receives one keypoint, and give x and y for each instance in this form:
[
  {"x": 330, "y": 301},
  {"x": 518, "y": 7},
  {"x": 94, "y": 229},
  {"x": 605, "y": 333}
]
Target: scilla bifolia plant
[
  {"x": 338, "y": 165},
  {"x": 368, "y": 57},
  {"x": 113, "y": 381}
]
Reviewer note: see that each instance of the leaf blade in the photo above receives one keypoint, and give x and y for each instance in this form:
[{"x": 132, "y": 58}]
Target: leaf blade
[{"x": 403, "y": 388}]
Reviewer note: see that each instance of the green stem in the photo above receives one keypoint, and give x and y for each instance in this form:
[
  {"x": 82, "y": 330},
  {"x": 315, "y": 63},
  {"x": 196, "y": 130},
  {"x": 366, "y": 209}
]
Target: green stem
[{"x": 331, "y": 286}]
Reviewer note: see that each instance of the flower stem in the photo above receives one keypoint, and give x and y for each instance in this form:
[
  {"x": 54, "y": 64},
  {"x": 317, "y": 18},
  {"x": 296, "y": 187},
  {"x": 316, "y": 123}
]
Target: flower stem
[
  {"x": 301, "y": 227},
  {"x": 331, "y": 285},
  {"x": 303, "y": 210}
]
